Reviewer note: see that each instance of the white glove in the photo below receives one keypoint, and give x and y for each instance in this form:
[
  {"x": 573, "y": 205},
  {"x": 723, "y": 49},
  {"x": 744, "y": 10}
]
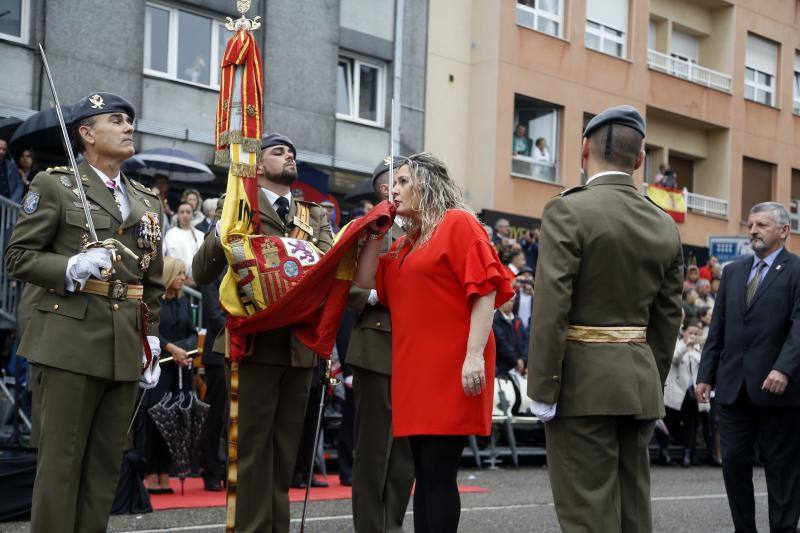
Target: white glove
[
  {"x": 151, "y": 374},
  {"x": 348, "y": 381},
  {"x": 543, "y": 411},
  {"x": 85, "y": 264},
  {"x": 372, "y": 299}
]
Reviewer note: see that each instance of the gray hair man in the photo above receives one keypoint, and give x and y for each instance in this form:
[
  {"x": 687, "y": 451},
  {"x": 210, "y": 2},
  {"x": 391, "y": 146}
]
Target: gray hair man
[{"x": 751, "y": 360}]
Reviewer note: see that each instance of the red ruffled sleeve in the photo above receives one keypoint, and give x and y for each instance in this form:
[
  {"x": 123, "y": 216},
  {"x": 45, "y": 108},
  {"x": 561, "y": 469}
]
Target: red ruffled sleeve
[
  {"x": 474, "y": 260},
  {"x": 484, "y": 273}
]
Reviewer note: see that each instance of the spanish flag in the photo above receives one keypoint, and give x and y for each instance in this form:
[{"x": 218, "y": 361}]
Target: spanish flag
[{"x": 670, "y": 200}]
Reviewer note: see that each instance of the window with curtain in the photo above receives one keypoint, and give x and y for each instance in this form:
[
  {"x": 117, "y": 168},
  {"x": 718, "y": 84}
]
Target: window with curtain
[
  {"x": 796, "y": 84},
  {"x": 183, "y": 45},
  {"x": 607, "y": 26},
  {"x": 761, "y": 63}
]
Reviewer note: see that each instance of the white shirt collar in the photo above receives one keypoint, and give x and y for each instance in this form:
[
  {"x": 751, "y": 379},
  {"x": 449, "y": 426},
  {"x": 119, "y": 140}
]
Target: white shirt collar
[
  {"x": 106, "y": 178},
  {"x": 271, "y": 196},
  {"x": 606, "y": 173}
]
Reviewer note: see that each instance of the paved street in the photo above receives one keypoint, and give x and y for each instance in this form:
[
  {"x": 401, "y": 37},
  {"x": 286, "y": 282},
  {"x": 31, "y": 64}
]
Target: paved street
[{"x": 684, "y": 500}]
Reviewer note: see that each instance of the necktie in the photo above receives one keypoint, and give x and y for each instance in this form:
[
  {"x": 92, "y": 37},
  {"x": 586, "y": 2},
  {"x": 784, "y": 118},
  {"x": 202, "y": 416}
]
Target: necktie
[
  {"x": 753, "y": 285},
  {"x": 282, "y": 208},
  {"x": 114, "y": 190}
]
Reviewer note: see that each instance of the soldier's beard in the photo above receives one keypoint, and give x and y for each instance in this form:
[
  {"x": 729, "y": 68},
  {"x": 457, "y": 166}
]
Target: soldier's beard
[{"x": 286, "y": 177}]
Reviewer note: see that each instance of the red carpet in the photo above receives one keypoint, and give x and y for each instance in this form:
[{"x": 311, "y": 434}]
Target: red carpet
[{"x": 194, "y": 495}]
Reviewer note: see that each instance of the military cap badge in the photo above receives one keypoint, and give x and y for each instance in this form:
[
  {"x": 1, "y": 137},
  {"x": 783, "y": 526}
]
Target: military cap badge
[{"x": 97, "y": 101}]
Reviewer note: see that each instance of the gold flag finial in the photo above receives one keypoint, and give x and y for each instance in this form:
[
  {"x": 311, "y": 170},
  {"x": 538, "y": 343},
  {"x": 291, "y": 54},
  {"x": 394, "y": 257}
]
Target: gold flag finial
[{"x": 243, "y": 23}]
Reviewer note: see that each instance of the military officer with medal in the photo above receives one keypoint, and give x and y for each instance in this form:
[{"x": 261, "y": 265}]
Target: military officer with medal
[{"x": 96, "y": 319}]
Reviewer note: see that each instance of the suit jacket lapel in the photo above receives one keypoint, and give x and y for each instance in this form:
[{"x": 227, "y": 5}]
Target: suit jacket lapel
[
  {"x": 268, "y": 212},
  {"x": 135, "y": 202},
  {"x": 97, "y": 191},
  {"x": 774, "y": 271}
]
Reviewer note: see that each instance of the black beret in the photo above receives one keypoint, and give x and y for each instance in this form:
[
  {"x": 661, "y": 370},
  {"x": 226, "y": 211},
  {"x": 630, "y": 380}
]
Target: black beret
[
  {"x": 623, "y": 115},
  {"x": 277, "y": 139},
  {"x": 383, "y": 167},
  {"x": 101, "y": 104}
]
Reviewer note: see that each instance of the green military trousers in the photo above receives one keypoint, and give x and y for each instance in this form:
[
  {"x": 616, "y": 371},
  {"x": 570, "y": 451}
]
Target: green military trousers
[
  {"x": 82, "y": 435},
  {"x": 383, "y": 467},
  {"x": 272, "y": 409},
  {"x": 599, "y": 470}
]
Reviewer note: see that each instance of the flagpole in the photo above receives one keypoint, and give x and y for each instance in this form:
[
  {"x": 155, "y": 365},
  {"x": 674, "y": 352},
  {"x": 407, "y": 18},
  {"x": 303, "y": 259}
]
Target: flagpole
[{"x": 391, "y": 166}]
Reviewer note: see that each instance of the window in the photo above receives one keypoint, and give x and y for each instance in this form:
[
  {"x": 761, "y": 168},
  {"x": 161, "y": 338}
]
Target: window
[
  {"x": 535, "y": 136},
  {"x": 606, "y": 26},
  {"x": 796, "y": 85},
  {"x": 756, "y": 184},
  {"x": 541, "y": 15},
  {"x": 14, "y": 20},
  {"x": 685, "y": 46},
  {"x": 183, "y": 45},
  {"x": 360, "y": 90},
  {"x": 760, "y": 70}
]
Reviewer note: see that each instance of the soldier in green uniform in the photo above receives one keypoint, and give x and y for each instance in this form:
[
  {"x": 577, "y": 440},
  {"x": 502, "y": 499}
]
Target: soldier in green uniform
[
  {"x": 607, "y": 314},
  {"x": 383, "y": 467},
  {"x": 274, "y": 381},
  {"x": 85, "y": 337}
]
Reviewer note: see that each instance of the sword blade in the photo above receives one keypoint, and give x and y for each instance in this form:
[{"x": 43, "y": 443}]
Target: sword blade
[
  {"x": 136, "y": 411},
  {"x": 68, "y": 148}
]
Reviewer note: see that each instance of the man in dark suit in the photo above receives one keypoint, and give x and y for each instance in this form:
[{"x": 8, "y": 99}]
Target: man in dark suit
[{"x": 752, "y": 361}]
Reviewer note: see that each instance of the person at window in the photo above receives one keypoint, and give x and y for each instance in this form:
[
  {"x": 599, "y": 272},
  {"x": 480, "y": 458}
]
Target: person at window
[
  {"x": 511, "y": 340},
  {"x": 659, "y": 179},
  {"x": 196, "y": 71},
  {"x": 679, "y": 398},
  {"x": 670, "y": 180},
  {"x": 445, "y": 260},
  {"x": 10, "y": 182},
  {"x": 26, "y": 164},
  {"x": 177, "y": 336},
  {"x": 541, "y": 152},
  {"x": 183, "y": 241},
  {"x": 521, "y": 143}
]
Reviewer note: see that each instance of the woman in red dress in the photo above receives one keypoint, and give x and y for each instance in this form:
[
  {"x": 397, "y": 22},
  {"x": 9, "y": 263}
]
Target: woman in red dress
[{"x": 441, "y": 283}]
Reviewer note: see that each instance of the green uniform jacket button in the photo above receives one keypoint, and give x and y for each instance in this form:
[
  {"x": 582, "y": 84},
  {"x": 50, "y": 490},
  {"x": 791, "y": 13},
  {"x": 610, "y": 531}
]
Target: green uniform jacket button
[
  {"x": 555, "y": 378},
  {"x": 116, "y": 307},
  {"x": 119, "y": 231},
  {"x": 55, "y": 306},
  {"x": 378, "y": 324}
]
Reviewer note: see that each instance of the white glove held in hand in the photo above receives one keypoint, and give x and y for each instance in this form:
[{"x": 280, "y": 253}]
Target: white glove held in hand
[
  {"x": 151, "y": 374},
  {"x": 544, "y": 411},
  {"x": 372, "y": 299},
  {"x": 89, "y": 263}
]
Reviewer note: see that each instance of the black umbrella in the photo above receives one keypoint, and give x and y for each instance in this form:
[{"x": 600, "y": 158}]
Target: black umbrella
[
  {"x": 180, "y": 421},
  {"x": 8, "y": 126},
  {"x": 41, "y": 131},
  {"x": 362, "y": 191}
]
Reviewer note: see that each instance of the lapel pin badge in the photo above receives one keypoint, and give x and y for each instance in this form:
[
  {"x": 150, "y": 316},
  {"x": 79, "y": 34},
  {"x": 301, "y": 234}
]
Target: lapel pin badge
[{"x": 778, "y": 267}]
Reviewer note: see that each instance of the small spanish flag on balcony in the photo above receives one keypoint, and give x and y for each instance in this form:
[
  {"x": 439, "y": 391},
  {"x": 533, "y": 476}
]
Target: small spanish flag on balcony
[{"x": 673, "y": 201}]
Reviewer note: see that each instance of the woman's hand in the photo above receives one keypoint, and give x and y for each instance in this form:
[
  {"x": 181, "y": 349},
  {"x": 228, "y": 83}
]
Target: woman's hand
[
  {"x": 473, "y": 374},
  {"x": 178, "y": 354}
]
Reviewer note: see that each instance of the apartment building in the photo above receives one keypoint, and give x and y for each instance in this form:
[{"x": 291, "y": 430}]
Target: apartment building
[
  {"x": 331, "y": 68},
  {"x": 717, "y": 80}
]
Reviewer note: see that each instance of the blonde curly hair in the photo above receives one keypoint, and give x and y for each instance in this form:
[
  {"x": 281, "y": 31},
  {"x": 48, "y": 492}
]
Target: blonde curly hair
[{"x": 434, "y": 192}]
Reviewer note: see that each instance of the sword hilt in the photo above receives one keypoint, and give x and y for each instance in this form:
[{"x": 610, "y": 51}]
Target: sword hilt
[{"x": 112, "y": 245}]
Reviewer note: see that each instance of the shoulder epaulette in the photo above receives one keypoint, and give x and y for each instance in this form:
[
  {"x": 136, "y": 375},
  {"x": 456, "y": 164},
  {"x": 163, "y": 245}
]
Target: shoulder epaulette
[
  {"x": 308, "y": 203},
  {"x": 142, "y": 188},
  {"x": 59, "y": 170},
  {"x": 572, "y": 190}
]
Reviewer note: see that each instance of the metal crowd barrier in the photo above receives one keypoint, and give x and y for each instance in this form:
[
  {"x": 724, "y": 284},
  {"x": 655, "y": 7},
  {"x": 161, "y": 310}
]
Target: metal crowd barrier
[{"x": 9, "y": 287}]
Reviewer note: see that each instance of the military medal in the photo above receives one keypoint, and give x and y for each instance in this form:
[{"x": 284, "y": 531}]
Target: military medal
[
  {"x": 65, "y": 181},
  {"x": 148, "y": 235}
]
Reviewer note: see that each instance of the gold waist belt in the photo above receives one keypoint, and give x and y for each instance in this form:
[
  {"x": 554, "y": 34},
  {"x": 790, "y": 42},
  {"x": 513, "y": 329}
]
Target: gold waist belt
[
  {"x": 607, "y": 334},
  {"x": 115, "y": 290}
]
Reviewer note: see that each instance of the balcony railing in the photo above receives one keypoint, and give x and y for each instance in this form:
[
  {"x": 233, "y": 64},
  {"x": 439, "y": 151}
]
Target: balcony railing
[
  {"x": 704, "y": 205},
  {"x": 688, "y": 70},
  {"x": 528, "y": 167}
]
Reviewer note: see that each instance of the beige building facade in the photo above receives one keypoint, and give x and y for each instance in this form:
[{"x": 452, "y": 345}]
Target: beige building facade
[{"x": 716, "y": 80}]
